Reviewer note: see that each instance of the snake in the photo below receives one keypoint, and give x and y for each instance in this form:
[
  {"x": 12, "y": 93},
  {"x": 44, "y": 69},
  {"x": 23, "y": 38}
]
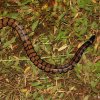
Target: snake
[{"x": 35, "y": 57}]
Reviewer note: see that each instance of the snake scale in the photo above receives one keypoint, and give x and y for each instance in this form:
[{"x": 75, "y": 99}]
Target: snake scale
[{"x": 35, "y": 58}]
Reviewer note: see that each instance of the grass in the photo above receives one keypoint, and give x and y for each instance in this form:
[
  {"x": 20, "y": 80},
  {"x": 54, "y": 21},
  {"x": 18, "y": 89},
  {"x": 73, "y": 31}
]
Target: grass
[{"x": 57, "y": 28}]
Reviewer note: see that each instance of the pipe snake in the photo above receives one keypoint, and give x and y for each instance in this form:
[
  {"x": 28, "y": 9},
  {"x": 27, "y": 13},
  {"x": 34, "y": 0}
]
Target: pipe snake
[{"x": 35, "y": 58}]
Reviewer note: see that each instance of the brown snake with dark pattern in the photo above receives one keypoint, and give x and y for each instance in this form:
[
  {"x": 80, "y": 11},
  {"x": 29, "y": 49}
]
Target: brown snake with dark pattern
[{"x": 35, "y": 58}]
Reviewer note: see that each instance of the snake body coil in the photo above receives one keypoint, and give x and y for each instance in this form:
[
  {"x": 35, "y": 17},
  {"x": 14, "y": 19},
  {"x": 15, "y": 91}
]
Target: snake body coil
[{"x": 35, "y": 58}]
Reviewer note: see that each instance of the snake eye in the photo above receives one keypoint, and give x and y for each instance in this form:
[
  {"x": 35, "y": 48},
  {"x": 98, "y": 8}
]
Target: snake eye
[{"x": 92, "y": 38}]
